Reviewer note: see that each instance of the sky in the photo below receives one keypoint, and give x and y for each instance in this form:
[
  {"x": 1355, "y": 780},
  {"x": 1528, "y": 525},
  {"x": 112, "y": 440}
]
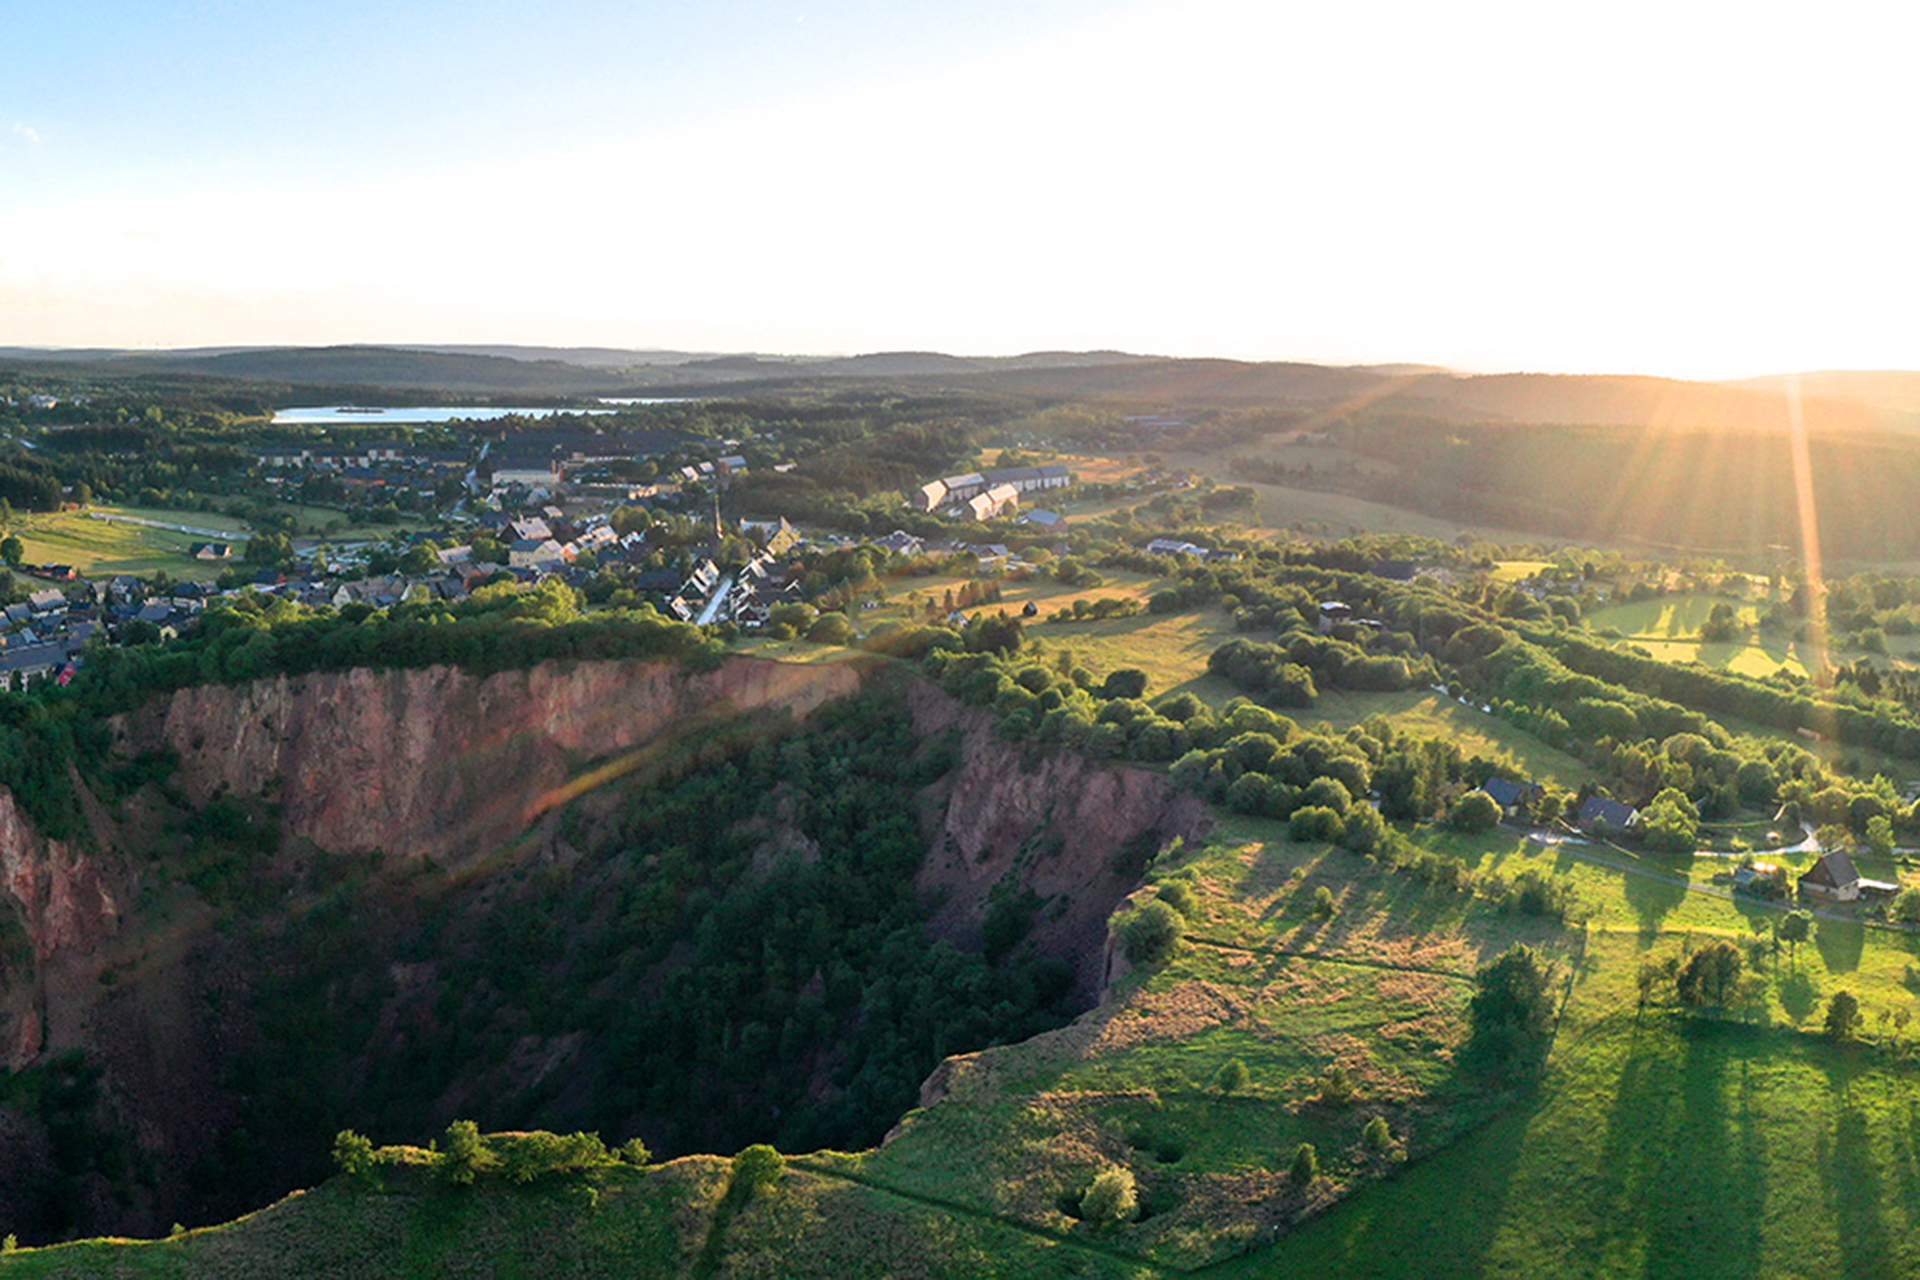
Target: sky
[{"x": 1687, "y": 189}]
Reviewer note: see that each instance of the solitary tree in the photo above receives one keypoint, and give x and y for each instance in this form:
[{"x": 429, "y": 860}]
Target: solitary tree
[
  {"x": 1794, "y": 928},
  {"x": 1843, "y": 1016},
  {"x": 1711, "y": 977},
  {"x": 1511, "y": 1010},
  {"x": 12, "y": 550},
  {"x": 1233, "y": 1077}
]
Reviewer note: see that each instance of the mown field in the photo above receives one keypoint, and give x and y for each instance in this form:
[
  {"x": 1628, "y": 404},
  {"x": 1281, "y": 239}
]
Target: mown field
[{"x": 102, "y": 547}]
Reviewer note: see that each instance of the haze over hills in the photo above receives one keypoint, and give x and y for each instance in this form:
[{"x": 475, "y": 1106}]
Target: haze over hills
[
  {"x": 1832, "y": 401},
  {"x": 1894, "y": 390}
]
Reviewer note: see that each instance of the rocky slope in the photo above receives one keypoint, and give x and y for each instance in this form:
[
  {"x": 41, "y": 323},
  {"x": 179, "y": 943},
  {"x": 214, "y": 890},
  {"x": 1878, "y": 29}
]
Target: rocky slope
[{"x": 1074, "y": 831}]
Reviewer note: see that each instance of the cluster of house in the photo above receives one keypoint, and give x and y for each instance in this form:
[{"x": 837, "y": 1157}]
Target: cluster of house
[
  {"x": 45, "y": 633},
  {"x": 988, "y": 495},
  {"x": 767, "y": 580},
  {"x": 533, "y": 462},
  {"x": 364, "y": 465},
  {"x": 547, "y": 540}
]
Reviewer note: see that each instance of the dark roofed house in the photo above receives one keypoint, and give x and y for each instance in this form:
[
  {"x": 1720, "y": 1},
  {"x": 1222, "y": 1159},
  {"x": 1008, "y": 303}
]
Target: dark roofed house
[
  {"x": 1833, "y": 878},
  {"x": 211, "y": 551},
  {"x": 1512, "y": 797},
  {"x": 1601, "y": 813}
]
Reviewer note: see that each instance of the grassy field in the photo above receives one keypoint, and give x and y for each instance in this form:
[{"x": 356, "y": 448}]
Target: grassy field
[
  {"x": 1379, "y": 988},
  {"x": 1477, "y": 733},
  {"x": 1657, "y": 1146},
  {"x": 97, "y": 547}
]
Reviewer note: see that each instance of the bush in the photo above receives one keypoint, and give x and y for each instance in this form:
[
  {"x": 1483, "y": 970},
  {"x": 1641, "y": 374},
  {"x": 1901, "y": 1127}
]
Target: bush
[
  {"x": 831, "y": 628},
  {"x": 1149, "y": 935},
  {"x": 1711, "y": 976},
  {"x": 463, "y": 1155},
  {"x": 757, "y": 1167},
  {"x": 1315, "y": 822},
  {"x": 1177, "y": 894},
  {"x": 1232, "y": 1077},
  {"x": 352, "y": 1154},
  {"x": 1511, "y": 1011},
  {"x": 1111, "y": 1199},
  {"x": 1305, "y": 1166},
  {"x": 1127, "y": 682},
  {"x": 1377, "y": 1136},
  {"x": 1474, "y": 811},
  {"x": 1365, "y": 829}
]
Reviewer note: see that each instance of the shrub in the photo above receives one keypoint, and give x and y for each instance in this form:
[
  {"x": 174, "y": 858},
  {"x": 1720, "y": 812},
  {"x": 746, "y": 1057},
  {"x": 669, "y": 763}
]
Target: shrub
[
  {"x": 527, "y": 1156},
  {"x": 1232, "y": 1077},
  {"x": 831, "y": 628},
  {"x": 1127, "y": 682},
  {"x": 1474, "y": 811},
  {"x": 352, "y": 1154},
  {"x": 463, "y": 1155},
  {"x": 1323, "y": 902},
  {"x": 1315, "y": 822},
  {"x": 1178, "y": 895},
  {"x": 1305, "y": 1166},
  {"x": 1149, "y": 935},
  {"x": 1337, "y": 1086},
  {"x": 1112, "y": 1198},
  {"x": 1511, "y": 1011},
  {"x": 757, "y": 1167},
  {"x": 1377, "y": 1136}
]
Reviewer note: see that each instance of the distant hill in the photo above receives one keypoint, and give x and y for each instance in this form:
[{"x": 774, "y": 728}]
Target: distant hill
[
  {"x": 1836, "y": 401},
  {"x": 1615, "y": 400},
  {"x": 1889, "y": 390}
]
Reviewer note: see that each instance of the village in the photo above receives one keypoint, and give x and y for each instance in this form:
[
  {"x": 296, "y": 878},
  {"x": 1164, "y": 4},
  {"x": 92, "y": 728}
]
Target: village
[{"x": 636, "y": 514}]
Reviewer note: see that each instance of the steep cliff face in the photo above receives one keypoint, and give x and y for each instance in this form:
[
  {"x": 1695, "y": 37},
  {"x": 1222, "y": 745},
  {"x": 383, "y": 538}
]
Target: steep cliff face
[
  {"x": 439, "y": 764},
  {"x": 61, "y": 906},
  {"x": 1074, "y": 831}
]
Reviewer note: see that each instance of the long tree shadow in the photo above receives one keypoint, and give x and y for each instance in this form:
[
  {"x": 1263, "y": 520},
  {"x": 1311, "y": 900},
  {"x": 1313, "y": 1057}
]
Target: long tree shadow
[
  {"x": 1852, "y": 1180},
  {"x": 1798, "y": 994},
  {"x": 1679, "y": 1178},
  {"x": 1840, "y": 943}
]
